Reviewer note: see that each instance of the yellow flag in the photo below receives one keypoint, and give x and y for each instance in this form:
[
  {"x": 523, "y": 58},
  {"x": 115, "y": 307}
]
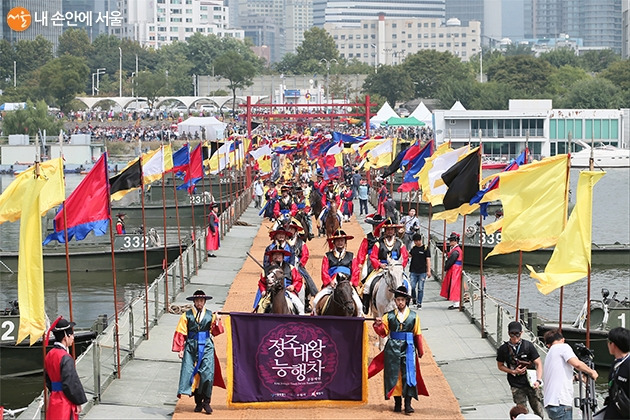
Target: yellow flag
[
  {"x": 168, "y": 157},
  {"x": 572, "y": 256},
  {"x": 534, "y": 202},
  {"x": 28, "y": 198}
]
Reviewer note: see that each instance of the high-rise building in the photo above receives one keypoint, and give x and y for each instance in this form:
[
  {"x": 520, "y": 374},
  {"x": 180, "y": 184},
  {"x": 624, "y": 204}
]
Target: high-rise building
[
  {"x": 350, "y": 13},
  {"x": 291, "y": 18},
  {"x": 90, "y": 8},
  {"x": 159, "y": 22},
  {"x": 625, "y": 29},
  {"x": 41, "y": 14},
  {"x": 389, "y": 41}
]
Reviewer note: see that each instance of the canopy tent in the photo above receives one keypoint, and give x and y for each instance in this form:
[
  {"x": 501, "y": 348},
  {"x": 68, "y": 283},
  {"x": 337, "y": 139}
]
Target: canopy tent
[
  {"x": 213, "y": 128},
  {"x": 457, "y": 106},
  {"x": 403, "y": 122},
  {"x": 422, "y": 113},
  {"x": 383, "y": 114}
]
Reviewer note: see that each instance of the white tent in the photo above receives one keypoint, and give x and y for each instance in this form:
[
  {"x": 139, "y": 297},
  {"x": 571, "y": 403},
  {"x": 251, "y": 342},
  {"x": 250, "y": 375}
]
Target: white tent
[
  {"x": 213, "y": 128},
  {"x": 457, "y": 106},
  {"x": 383, "y": 114},
  {"x": 423, "y": 114}
]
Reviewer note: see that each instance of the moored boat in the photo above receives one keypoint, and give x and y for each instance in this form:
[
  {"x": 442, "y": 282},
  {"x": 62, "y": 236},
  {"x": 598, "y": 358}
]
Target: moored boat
[
  {"x": 607, "y": 313},
  {"x": 604, "y": 156},
  {"x": 602, "y": 255},
  {"x": 23, "y": 359}
]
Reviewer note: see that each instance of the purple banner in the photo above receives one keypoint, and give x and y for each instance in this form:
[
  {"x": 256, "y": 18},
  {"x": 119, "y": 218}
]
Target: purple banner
[{"x": 277, "y": 358}]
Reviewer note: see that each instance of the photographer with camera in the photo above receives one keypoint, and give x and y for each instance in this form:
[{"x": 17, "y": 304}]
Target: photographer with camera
[
  {"x": 515, "y": 357},
  {"x": 558, "y": 376}
]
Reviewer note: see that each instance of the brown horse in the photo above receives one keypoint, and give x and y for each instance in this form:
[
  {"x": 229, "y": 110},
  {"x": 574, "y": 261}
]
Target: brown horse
[
  {"x": 315, "y": 199},
  {"x": 331, "y": 223},
  {"x": 276, "y": 301},
  {"x": 340, "y": 302}
]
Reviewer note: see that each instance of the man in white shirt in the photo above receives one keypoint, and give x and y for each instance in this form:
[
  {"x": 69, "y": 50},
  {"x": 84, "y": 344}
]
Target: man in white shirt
[{"x": 558, "y": 376}]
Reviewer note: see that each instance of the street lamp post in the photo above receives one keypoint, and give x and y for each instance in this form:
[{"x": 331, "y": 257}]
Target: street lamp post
[
  {"x": 328, "y": 73},
  {"x": 375, "y": 56},
  {"x": 97, "y": 74},
  {"x": 120, "y": 73}
]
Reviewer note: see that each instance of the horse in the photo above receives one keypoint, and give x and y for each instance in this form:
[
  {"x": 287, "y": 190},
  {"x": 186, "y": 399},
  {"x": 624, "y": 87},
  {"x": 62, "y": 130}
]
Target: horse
[
  {"x": 383, "y": 296},
  {"x": 276, "y": 301},
  {"x": 340, "y": 302},
  {"x": 303, "y": 219},
  {"x": 315, "y": 199},
  {"x": 331, "y": 222}
]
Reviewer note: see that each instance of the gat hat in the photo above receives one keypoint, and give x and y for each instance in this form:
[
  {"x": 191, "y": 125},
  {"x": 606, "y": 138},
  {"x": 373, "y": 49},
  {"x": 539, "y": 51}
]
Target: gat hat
[
  {"x": 63, "y": 325},
  {"x": 401, "y": 291},
  {"x": 294, "y": 223},
  {"x": 515, "y": 327},
  {"x": 285, "y": 188},
  {"x": 199, "y": 294},
  {"x": 454, "y": 237},
  {"x": 213, "y": 204},
  {"x": 275, "y": 250},
  {"x": 388, "y": 223},
  {"x": 273, "y": 233},
  {"x": 340, "y": 234},
  {"x": 121, "y": 214},
  {"x": 373, "y": 219}
]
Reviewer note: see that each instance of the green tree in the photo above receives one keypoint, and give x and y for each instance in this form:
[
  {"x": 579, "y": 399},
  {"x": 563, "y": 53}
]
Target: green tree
[
  {"x": 172, "y": 59},
  {"x": 619, "y": 73},
  {"x": 7, "y": 56},
  {"x": 30, "y": 120},
  {"x": 561, "y": 79},
  {"x": 317, "y": 45},
  {"x": 493, "y": 96},
  {"x": 104, "y": 54},
  {"x": 74, "y": 41},
  {"x": 62, "y": 78},
  {"x": 429, "y": 69},
  {"x": 288, "y": 64},
  {"x": 518, "y": 49},
  {"x": 561, "y": 57},
  {"x": 453, "y": 90},
  {"x": 31, "y": 55},
  {"x": 523, "y": 73},
  {"x": 595, "y": 93},
  {"x": 151, "y": 85},
  {"x": 597, "y": 60},
  {"x": 238, "y": 70},
  {"x": 391, "y": 82}
]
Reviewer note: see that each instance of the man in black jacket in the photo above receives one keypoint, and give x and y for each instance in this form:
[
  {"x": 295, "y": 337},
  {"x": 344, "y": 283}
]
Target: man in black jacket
[
  {"x": 515, "y": 357},
  {"x": 617, "y": 402}
]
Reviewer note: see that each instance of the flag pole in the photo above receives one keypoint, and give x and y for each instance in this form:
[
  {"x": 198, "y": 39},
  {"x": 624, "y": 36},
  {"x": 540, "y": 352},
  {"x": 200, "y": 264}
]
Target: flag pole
[
  {"x": 591, "y": 167},
  {"x": 443, "y": 250},
  {"x": 219, "y": 170},
  {"x": 461, "y": 283},
  {"x": 566, "y": 210},
  {"x": 165, "y": 263},
  {"x": 114, "y": 280},
  {"x": 144, "y": 247},
  {"x": 482, "y": 286},
  {"x": 179, "y": 232},
  {"x": 68, "y": 275},
  {"x": 203, "y": 199},
  {"x": 518, "y": 283}
]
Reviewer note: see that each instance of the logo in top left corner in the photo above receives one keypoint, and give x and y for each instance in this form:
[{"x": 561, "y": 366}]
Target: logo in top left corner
[{"x": 19, "y": 19}]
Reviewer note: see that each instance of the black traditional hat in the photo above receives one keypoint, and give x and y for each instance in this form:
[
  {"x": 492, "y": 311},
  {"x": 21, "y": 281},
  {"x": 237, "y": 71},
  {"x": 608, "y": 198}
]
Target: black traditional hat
[
  {"x": 63, "y": 325},
  {"x": 401, "y": 291},
  {"x": 454, "y": 237},
  {"x": 199, "y": 294},
  {"x": 275, "y": 250},
  {"x": 273, "y": 233},
  {"x": 121, "y": 214},
  {"x": 388, "y": 223},
  {"x": 374, "y": 219},
  {"x": 340, "y": 234}
]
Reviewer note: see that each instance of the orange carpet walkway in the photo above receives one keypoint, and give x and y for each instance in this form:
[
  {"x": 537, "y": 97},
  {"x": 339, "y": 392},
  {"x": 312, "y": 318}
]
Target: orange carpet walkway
[{"x": 441, "y": 404}]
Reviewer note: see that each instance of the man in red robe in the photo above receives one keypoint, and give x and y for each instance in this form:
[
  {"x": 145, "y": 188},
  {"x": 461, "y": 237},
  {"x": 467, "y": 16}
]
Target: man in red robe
[{"x": 453, "y": 266}]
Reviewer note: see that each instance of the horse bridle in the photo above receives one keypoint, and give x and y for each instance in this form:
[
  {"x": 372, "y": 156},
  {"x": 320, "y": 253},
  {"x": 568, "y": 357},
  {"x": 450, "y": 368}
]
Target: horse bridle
[{"x": 342, "y": 304}]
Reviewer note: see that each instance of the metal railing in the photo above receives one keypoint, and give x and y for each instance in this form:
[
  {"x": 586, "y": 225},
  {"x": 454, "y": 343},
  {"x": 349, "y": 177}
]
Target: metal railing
[{"x": 98, "y": 365}]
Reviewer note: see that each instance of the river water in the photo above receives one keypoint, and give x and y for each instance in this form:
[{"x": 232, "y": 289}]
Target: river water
[{"x": 92, "y": 294}]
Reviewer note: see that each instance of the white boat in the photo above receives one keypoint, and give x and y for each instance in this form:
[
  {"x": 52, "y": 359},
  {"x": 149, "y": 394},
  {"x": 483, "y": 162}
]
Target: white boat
[{"x": 604, "y": 156}]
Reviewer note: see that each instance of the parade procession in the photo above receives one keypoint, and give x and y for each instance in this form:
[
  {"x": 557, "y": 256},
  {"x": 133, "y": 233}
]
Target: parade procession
[{"x": 307, "y": 276}]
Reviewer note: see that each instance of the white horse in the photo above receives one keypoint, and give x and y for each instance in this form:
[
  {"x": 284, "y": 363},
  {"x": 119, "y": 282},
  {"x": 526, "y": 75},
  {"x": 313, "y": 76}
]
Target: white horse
[{"x": 383, "y": 301}]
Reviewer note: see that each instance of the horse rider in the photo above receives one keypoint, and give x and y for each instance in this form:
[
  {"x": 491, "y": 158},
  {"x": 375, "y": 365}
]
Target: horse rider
[
  {"x": 285, "y": 204},
  {"x": 301, "y": 254},
  {"x": 302, "y": 204},
  {"x": 320, "y": 184},
  {"x": 292, "y": 278},
  {"x": 271, "y": 195},
  {"x": 327, "y": 201},
  {"x": 279, "y": 238},
  {"x": 339, "y": 261},
  {"x": 365, "y": 249},
  {"x": 399, "y": 360},
  {"x": 382, "y": 197},
  {"x": 387, "y": 247}
]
